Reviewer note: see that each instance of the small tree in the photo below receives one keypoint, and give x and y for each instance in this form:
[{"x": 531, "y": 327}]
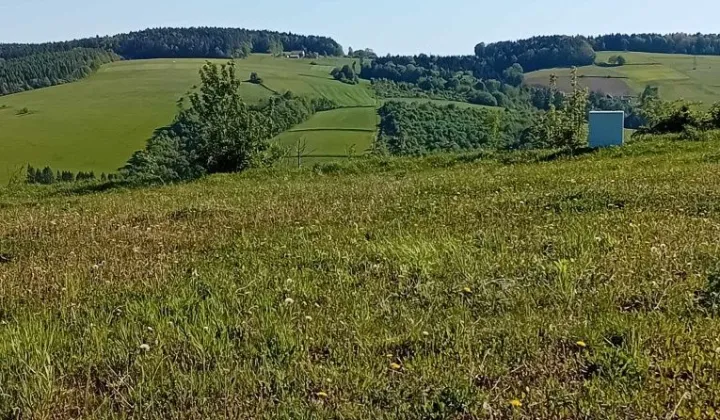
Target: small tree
[
  {"x": 47, "y": 176},
  {"x": 31, "y": 175},
  {"x": 300, "y": 148},
  {"x": 620, "y": 61},
  {"x": 254, "y": 78},
  {"x": 566, "y": 128},
  {"x": 576, "y": 115}
]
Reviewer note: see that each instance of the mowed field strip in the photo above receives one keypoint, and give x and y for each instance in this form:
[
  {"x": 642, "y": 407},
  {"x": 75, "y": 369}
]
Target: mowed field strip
[
  {"x": 332, "y": 134},
  {"x": 97, "y": 123},
  {"x": 695, "y": 78}
]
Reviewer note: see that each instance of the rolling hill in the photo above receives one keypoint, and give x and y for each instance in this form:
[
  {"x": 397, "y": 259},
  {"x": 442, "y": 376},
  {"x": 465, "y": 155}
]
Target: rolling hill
[
  {"x": 695, "y": 78},
  {"x": 97, "y": 123}
]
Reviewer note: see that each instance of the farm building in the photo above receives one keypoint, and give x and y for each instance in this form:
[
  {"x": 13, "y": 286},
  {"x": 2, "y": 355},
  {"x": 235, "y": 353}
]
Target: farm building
[{"x": 295, "y": 54}]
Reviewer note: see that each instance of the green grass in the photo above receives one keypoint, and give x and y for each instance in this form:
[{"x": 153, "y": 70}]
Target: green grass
[
  {"x": 97, "y": 123},
  {"x": 581, "y": 287},
  {"x": 678, "y": 76},
  {"x": 333, "y": 134}
]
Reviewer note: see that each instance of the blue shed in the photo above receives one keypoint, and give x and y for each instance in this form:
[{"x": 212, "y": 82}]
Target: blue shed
[{"x": 607, "y": 128}]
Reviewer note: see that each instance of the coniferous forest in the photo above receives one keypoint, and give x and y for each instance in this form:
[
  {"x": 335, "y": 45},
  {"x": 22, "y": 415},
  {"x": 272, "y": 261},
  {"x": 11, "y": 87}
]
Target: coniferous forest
[{"x": 50, "y": 68}]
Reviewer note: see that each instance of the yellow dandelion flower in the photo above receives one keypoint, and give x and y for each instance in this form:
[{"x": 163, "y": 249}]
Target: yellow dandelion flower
[
  {"x": 581, "y": 344},
  {"x": 395, "y": 366},
  {"x": 515, "y": 403}
]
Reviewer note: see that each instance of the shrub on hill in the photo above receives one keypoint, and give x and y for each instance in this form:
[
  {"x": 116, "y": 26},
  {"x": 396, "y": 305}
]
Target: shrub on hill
[
  {"x": 678, "y": 117},
  {"x": 482, "y": 98},
  {"x": 218, "y": 131},
  {"x": 346, "y": 74},
  {"x": 565, "y": 127},
  {"x": 254, "y": 78}
]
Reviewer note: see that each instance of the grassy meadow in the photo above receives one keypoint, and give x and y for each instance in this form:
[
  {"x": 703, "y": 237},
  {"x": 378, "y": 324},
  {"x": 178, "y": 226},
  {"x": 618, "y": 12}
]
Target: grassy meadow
[
  {"x": 518, "y": 286},
  {"x": 97, "y": 123},
  {"x": 695, "y": 78},
  {"x": 333, "y": 134}
]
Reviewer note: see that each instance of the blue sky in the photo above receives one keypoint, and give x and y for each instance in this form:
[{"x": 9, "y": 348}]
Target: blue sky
[{"x": 399, "y": 26}]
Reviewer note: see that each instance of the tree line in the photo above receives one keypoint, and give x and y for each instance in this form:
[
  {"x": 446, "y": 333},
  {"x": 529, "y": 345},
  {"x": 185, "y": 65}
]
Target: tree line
[
  {"x": 200, "y": 42},
  {"x": 419, "y": 128},
  {"x": 677, "y": 43},
  {"x": 46, "y": 176},
  {"x": 50, "y": 68}
]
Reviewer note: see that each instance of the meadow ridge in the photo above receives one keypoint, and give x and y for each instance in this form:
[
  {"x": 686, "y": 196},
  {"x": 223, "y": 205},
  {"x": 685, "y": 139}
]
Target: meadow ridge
[
  {"x": 443, "y": 287},
  {"x": 95, "y": 124},
  {"x": 694, "y": 78},
  {"x": 98, "y": 122}
]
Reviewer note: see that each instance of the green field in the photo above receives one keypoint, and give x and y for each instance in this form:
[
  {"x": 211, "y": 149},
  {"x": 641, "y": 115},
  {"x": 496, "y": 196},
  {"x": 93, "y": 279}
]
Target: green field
[
  {"x": 434, "y": 288},
  {"x": 97, "y": 123},
  {"x": 333, "y": 134},
  {"x": 695, "y": 78}
]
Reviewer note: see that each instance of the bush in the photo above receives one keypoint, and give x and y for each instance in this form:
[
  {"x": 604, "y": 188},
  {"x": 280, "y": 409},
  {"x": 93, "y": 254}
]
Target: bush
[
  {"x": 346, "y": 74},
  {"x": 692, "y": 133},
  {"x": 482, "y": 98},
  {"x": 254, "y": 78}
]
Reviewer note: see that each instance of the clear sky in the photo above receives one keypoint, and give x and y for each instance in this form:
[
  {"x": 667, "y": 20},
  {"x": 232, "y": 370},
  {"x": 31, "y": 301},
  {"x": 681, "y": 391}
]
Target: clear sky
[{"x": 388, "y": 26}]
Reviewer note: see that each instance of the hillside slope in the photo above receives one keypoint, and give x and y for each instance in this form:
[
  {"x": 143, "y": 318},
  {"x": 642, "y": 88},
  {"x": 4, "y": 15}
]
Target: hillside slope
[
  {"x": 411, "y": 288},
  {"x": 96, "y": 124},
  {"x": 695, "y": 78}
]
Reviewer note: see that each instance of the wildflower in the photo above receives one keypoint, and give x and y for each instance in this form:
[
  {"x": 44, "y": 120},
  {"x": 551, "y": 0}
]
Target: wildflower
[
  {"x": 425, "y": 333},
  {"x": 515, "y": 403},
  {"x": 467, "y": 290},
  {"x": 144, "y": 347},
  {"x": 395, "y": 366},
  {"x": 289, "y": 301},
  {"x": 321, "y": 394},
  {"x": 581, "y": 344}
]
